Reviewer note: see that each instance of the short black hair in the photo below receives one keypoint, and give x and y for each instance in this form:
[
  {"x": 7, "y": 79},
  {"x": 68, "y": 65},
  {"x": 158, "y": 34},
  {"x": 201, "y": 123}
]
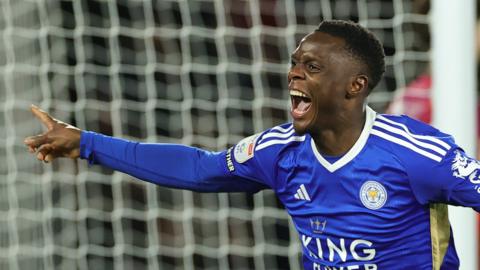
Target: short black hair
[{"x": 360, "y": 43}]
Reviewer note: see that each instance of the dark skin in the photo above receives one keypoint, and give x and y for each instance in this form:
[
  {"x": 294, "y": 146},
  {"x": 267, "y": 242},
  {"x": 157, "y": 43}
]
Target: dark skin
[
  {"x": 337, "y": 86},
  {"x": 60, "y": 139},
  {"x": 321, "y": 69}
]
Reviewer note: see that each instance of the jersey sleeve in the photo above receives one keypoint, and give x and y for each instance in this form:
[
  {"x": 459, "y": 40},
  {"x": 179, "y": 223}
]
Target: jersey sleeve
[
  {"x": 171, "y": 165},
  {"x": 247, "y": 160},
  {"x": 455, "y": 179}
]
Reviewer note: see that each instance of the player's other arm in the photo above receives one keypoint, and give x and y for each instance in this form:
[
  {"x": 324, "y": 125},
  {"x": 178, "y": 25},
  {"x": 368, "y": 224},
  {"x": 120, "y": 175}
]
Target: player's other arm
[
  {"x": 454, "y": 180},
  {"x": 176, "y": 166}
]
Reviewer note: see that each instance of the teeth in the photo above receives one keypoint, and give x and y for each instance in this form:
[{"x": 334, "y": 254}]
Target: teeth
[{"x": 297, "y": 93}]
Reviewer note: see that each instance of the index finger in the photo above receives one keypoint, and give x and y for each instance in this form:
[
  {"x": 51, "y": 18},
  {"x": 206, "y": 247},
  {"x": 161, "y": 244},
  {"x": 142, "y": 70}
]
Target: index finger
[{"x": 43, "y": 116}]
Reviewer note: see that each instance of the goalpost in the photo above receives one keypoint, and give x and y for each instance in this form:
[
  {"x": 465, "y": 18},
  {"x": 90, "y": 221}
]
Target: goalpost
[
  {"x": 455, "y": 101},
  {"x": 200, "y": 72}
]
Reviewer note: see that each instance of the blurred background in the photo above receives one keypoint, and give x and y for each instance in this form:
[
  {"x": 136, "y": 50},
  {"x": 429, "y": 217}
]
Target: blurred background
[{"x": 199, "y": 72}]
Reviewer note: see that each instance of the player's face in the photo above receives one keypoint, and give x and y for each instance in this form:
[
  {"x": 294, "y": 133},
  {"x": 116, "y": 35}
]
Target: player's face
[{"x": 318, "y": 80}]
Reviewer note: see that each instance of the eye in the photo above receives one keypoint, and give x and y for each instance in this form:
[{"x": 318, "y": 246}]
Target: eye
[
  {"x": 313, "y": 67},
  {"x": 293, "y": 63}
]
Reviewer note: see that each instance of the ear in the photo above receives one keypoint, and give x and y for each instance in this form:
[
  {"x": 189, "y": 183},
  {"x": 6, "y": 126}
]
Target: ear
[{"x": 358, "y": 86}]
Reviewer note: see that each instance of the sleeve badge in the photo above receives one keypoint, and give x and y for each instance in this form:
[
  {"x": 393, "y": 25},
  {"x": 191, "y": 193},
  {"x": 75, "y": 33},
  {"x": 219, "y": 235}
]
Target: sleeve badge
[{"x": 245, "y": 149}]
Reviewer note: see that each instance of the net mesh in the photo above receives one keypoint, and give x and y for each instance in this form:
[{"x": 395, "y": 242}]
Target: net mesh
[{"x": 202, "y": 73}]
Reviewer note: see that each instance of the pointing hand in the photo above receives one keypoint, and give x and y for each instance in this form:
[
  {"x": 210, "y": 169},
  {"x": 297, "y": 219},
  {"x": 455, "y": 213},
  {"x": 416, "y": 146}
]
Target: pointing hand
[{"x": 60, "y": 139}]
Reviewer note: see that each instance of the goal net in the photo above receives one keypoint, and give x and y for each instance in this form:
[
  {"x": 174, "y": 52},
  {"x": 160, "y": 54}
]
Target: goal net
[{"x": 202, "y": 73}]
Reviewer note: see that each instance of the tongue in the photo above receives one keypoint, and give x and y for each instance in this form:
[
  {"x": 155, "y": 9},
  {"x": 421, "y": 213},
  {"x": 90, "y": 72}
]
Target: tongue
[{"x": 303, "y": 106}]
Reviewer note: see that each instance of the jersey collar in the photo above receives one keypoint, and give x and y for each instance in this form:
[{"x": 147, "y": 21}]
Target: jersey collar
[{"x": 356, "y": 148}]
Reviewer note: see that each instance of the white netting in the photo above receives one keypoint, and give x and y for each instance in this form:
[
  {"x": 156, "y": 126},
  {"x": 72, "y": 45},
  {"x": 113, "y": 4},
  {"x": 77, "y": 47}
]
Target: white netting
[{"x": 203, "y": 73}]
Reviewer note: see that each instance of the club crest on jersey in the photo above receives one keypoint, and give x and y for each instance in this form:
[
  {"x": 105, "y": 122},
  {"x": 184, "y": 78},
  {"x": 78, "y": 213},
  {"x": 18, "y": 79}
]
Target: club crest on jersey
[
  {"x": 244, "y": 150},
  {"x": 373, "y": 195},
  {"x": 465, "y": 168}
]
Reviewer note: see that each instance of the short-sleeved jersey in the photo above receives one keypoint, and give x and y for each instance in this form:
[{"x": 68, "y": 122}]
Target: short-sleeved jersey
[{"x": 382, "y": 205}]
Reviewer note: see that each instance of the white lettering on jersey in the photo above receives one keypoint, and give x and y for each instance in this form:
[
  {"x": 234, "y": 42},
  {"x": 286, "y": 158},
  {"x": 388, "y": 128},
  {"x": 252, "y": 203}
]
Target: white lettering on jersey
[
  {"x": 332, "y": 248},
  {"x": 369, "y": 251},
  {"x": 230, "y": 165},
  {"x": 319, "y": 247},
  {"x": 368, "y": 266},
  {"x": 306, "y": 240},
  {"x": 360, "y": 250}
]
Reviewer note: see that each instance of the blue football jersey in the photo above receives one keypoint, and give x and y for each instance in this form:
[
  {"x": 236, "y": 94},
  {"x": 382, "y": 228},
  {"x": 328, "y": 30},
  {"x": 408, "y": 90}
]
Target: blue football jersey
[{"x": 382, "y": 205}]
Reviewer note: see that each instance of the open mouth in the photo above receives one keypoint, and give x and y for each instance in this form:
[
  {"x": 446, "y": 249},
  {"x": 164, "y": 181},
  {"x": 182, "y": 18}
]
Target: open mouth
[{"x": 300, "y": 103}]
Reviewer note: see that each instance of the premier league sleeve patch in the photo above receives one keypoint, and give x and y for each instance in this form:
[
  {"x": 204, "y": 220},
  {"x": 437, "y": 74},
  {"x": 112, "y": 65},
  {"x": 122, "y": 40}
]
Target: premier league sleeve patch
[
  {"x": 244, "y": 150},
  {"x": 465, "y": 167}
]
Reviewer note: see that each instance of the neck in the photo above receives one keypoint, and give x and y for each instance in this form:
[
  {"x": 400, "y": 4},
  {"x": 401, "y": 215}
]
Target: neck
[{"x": 342, "y": 132}]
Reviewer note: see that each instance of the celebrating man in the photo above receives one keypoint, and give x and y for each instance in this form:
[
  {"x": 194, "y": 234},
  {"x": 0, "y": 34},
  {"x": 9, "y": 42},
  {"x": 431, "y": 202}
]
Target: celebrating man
[{"x": 365, "y": 190}]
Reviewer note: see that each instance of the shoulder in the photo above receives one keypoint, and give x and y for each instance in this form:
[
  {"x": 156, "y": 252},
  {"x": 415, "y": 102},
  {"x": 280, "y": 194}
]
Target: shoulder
[
  {"x": 410, "y": 139},
  {"x": 267, "y": 143},
  {"x": 278, "y": 137}
]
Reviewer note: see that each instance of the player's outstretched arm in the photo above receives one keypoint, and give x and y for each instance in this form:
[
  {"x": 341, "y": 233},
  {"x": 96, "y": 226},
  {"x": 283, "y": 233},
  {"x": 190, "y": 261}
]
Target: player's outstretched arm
[
  {"x": 60, "y": 139},
  {"x": 171, "y": 165}
]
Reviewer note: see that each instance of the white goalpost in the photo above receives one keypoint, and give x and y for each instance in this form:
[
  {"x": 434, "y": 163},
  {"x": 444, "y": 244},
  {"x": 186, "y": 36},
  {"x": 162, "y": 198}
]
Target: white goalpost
[
  {"x": 201, "y": 72},
  {"x": 455, "y": 100}
]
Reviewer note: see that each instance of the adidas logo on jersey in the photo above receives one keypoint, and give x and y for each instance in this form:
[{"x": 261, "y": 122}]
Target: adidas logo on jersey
[{"x": 302, "y": 193}]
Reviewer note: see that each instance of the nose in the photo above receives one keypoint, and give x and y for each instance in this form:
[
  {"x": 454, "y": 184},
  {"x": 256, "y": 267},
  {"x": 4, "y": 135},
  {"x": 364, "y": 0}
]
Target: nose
[{"x": 296, "y": 72}]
